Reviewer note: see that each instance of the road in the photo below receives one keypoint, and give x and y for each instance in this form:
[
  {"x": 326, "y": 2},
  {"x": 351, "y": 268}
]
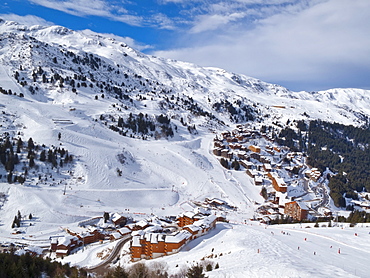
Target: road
[{"x": 101, "y": 268}]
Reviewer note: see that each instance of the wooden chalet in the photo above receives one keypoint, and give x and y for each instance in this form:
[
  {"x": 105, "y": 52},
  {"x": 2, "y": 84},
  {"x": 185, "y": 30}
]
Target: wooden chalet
[
  {"x": 297, "y": 210},
  {"x": 118, "y": 220},
  {"x": 258, "y": 180},
  {"x": 255, "y": 156},
  {"x": 277, "y": 182},
  {"x": 313, "y": 174},
  {"x": 254, "y": 148},
  {"x": 201, "y": 227},
  {"x": 226, "y": 153},
  {"x": 153, "y": 245},
  {"x": 65, "y": 245},
  {"x": 217, "y": 151},
  {"x": 246, "y": 164},
  {"x": 267, "y": 167}
]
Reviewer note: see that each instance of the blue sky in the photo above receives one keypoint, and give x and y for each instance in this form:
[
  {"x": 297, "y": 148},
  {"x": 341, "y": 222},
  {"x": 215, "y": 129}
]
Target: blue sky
[{"x": 300, "y": 44}]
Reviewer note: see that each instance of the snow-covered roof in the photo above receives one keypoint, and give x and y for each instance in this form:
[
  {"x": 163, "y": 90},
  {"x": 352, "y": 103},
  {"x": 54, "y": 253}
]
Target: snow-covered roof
[
  {"x": 142, "y": 223},
  {"x": 180, "y": 236},
  {"x": 303, "y": 205},
  {"x": 206, "y": 221},
  {"x": 189, "y": 214},
  {"x": 66, "y": 240},
  {"x": 136, "y": 241},
  {"x": 116, "y": 235},
  {"x": 124, "y": 230},
  {"x": 193, "y": 228},
  {"x": 115, "y": 216}
]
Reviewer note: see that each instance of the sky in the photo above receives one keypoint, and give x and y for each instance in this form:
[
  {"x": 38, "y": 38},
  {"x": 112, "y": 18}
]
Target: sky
[{"x": 306, "y": 45}]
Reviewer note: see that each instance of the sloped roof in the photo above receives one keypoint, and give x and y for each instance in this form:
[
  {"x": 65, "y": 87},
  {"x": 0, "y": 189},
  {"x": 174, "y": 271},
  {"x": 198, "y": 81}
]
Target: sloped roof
[{"x": 177, "y": 238}]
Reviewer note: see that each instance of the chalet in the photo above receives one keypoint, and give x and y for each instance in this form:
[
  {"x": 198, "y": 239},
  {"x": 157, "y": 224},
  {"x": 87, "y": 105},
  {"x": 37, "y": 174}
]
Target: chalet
[
  {"x": 277, "y": 149},
  {"x": 151, "y": 245},
  {"x": 255, "y": 149},
  {"x": 53, "y": 243},
  {"x": 264, "y": 159},
  {"x": 87, "y": 236},
  {"x": 258, "y": 180},
  {"x": 124, "y": 231},
  {"x": 313, "y": 174},
  {"x": 186, "y": 218},
  {"x": 202, "y": 226},
  {"x": 215, "y": 202},
  {"x": 218, "y": 144},
  {"x": 297, "y": 210},
  {"x": 65, "y": 245},
  {"x": 244, "y": 148},
  {"x": 225, "y": 134},
  {"x": 141, "y": 225},
  {"x": 246, "y": 164},
  {"x": 277, "y": 182},
  {"x": 240, "y": 138},
  {"x": 226, "y": 153},
  {"x": 217, "y": 151},
  {"x": 231, "y": 139},
  {"x": 154, "y": 245},
  {"x": 251, "y": 173},
  {"x": 242, "y": 155},
  {"x": 269, "y": 148},
  {"x": 118, "y": 220},
  {"x": 115, "y": 236},
  {"x": 267, "y": 167},
  {"x": 255, "y": 156}
]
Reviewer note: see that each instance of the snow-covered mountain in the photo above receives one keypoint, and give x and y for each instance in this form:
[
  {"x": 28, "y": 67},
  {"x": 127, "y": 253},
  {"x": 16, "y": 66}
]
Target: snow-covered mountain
[{"x": 140, "y": 128}]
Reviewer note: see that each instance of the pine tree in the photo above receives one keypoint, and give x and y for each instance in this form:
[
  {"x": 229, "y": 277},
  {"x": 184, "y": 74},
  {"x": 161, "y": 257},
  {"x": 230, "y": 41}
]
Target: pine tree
[
  {"x": 30, "y": 145},
  {"x": 106, "y": 217},
  {"x": 10, "y": 177},
  {"x": 195, "y": 272},
  {"x": 43, "y": 155},
  {"x": 32, "y": 162},
  {"x": 19, "y": 145},
  {"x": 30, "y": 216}
]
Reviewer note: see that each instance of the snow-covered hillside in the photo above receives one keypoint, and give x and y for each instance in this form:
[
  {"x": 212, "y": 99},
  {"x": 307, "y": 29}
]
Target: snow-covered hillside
[{"x": 78, "y": 85}]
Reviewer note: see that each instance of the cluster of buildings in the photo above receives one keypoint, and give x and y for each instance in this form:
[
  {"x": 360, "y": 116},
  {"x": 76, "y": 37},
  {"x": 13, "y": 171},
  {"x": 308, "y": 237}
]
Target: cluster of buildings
[
  {"x": 90, "y": 231},
  {"x": 150, "y": 238},
  {"x": 268, "y": 165},
  {"x": 154, "y": 242}
]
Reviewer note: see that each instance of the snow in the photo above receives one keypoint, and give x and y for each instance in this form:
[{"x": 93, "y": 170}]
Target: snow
[
  {"x": 255, "y": 250},
  {"x": 162, "y": 177}
]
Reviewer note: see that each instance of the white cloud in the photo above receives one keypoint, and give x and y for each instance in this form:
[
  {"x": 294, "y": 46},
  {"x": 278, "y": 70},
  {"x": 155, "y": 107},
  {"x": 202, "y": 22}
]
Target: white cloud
[
  {"x": 215, "y": 21},
  {"x": 28, "y": 20},
  {"x": 163, "y": 22},
  {"x": 91, "y": 7},
  {"x": 328, "y": 41}
]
